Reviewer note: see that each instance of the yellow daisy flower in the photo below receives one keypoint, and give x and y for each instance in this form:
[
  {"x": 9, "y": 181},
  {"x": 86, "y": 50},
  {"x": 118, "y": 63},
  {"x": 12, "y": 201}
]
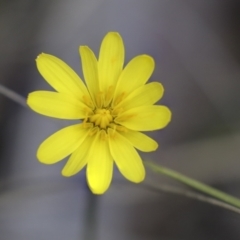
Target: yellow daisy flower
[{"x": 114, "y": 105}]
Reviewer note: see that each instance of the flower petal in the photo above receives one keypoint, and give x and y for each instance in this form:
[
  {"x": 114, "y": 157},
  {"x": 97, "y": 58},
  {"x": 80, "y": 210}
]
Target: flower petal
[
  {"x": 135, "y": 74},
  {"x": 145, "y": 118},
  {"x": 111, "y": 59},
  {"x": 145, "y": 95},
  {"x": 100, "y": 164},
  {"x": 60, "y": 76},
  {"x": 57, "y": 105},
  {"x": 61, "y": 144},
  {"x": 78, "y": 159},
  {"x": 90, "y": 70},
  {"x": 140, "y": 141},
  {"x": 126, "y": 157}
]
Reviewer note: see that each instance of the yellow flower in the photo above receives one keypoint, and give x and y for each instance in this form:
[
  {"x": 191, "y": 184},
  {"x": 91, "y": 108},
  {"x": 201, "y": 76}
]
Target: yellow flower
[{"x": 114, "y": 105}]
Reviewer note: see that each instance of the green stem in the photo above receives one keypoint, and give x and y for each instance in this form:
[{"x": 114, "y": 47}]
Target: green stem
[
  {"x": 195, "y": 184},
  {"x": 12, "y": 95}
]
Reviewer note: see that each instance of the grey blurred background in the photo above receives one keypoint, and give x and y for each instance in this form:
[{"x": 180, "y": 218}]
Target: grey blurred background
[{"x": 196, "y": 46}]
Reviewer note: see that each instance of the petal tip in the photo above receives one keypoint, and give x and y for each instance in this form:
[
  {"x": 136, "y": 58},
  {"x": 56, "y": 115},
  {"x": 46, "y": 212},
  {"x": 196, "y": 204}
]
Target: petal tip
[
  {"x": 82, "y": 47},
  {"x": 97, "y": 191},
  {"x": 115, "y": 35},
  {"x": 150, "y": 59},
  {"x": 27, "y": 99},
  {"x": 169, "y": 112},
  {"x": 40, "y": 156},
  {"x": 40, "y": 56},
  {"x": 139, "y": 179},
  {"x": 155, "y": 147},
  {"x": 41, "y": 160},
  {"x": 65, "y": 173},
  {"x": 167, "y": 116}
]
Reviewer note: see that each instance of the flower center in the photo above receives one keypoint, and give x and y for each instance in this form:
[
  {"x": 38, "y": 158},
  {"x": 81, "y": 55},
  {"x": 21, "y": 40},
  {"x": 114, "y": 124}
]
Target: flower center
[
  {"x": 101, "y": 118},
  {"x": 100, "y": 115}
]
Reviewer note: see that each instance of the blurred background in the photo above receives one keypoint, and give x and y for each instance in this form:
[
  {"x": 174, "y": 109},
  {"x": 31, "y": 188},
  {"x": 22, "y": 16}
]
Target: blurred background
[{"x": 196, "y": 47}]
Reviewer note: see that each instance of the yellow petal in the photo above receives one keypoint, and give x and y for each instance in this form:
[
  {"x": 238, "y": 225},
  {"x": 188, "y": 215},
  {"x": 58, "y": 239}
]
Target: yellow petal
[
  {"x": 57, "y": 105},
  {"x": 78, "y": 159},
  {"x": 100, "y": 164},
  {"x": 61, "y": 144},
  {"x": 60, "y": 76},
  {"x": 145, "y": 95},
  {"x": 111, "y": 59},
  {"x": 90, "y": 70},
  {"x": 145, "y": 118},
  {"x": 135, "y": 74},
  {"x": 140, "y": 141},
  {"x": 126, "y": 157}
]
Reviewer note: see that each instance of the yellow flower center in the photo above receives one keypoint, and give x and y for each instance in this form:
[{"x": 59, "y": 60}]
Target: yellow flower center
[{"x": 102, "y": 118}]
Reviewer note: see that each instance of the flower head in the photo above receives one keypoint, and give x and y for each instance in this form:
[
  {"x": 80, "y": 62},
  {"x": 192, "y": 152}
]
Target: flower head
[{"x": 114, "y": 106}]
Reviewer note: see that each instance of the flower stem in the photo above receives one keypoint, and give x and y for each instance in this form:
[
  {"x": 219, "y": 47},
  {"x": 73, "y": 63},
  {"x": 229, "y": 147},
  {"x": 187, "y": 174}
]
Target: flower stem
[
  {"x": 194, "y": 184},
  {"x": 13, "y": 95},
  {"x": 190, "y": 194}
]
